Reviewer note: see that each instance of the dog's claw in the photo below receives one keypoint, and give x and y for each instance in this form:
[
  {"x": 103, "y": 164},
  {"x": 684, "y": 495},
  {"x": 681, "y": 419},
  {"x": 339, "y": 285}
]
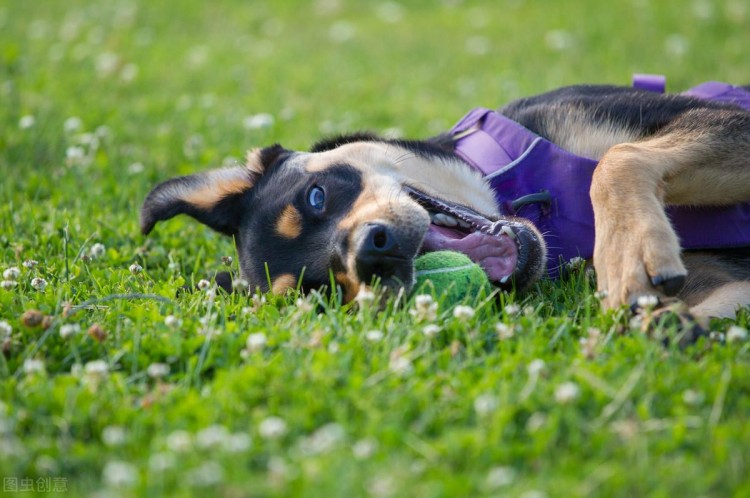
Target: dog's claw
[{"x": 670, "y": 286}]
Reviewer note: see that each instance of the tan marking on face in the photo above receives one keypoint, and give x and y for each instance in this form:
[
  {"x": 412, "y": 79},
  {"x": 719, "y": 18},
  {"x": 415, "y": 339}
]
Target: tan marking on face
[
  {"x": 365, "y": 208},
  {"x": 253, "y": 162},
  {"x": 218, "y": 185},
  {"x": 289, "y": 224},
  {"x": 348, "y": 285},
  {"x": 283, "y": 283}
]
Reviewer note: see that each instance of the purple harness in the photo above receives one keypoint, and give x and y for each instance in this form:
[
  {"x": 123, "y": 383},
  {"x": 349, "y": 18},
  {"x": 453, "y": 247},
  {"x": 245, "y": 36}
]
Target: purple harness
[{"x": 537, "y": 180}]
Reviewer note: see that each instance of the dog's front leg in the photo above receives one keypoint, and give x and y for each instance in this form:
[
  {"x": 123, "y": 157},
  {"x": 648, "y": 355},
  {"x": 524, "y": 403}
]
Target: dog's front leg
[{"x": 700, "y": 159}]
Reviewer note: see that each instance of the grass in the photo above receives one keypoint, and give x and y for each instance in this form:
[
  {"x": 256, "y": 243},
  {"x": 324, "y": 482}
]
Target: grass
[{"x": 101, "y": 100}]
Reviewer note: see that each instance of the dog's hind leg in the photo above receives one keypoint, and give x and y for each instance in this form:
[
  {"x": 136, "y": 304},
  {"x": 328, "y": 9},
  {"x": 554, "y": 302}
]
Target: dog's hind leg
[
  {"x": 724, "y": 301},
  {"x": 700, "y": 158}
]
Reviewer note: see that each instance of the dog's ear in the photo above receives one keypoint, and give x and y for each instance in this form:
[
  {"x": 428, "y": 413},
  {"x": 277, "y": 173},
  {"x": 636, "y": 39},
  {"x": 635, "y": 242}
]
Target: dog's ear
[{"x": 214, "y": 197}]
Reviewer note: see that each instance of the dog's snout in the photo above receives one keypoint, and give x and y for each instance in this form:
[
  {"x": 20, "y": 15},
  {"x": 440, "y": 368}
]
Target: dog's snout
[{"x": 379, "y": 253}]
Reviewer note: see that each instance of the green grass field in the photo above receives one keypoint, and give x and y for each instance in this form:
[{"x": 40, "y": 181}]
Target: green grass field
[{"x": 133, "y": 391}]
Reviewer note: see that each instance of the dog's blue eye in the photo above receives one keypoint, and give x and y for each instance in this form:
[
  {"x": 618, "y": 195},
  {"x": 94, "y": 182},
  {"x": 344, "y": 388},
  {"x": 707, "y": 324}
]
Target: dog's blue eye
[{"x": 316, "y": 198}]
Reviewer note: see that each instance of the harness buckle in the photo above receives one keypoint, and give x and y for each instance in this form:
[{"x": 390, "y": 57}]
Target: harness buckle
[{"x": 542, "y": 197}]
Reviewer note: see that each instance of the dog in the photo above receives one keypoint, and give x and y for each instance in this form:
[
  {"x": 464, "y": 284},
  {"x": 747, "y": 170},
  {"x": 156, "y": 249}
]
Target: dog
[{"x": 359, "y": 207}]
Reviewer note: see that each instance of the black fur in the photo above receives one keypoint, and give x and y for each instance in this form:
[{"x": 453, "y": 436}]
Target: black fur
[{"x": 320, "y": 247}]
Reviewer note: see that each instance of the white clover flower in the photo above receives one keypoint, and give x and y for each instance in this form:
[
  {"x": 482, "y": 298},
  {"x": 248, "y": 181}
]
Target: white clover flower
[
  {"x": 341, "y": 31},
  {"x": 12, "y": 273},
  {"x": 512, "y": 309},
  {"x": 26, "y": 122},
  {"x": 533, "y": 493},
  {"x": 423, "y": 301},
  {"x": 211, "y": 437},
  {"x": 735, "y": 333},
  {"x": 381, "y": 486},
  {"x": 477, "y": 45},
  {"x": 272, "y": 428},
  {"x": 227, "y": 260},
  {"x": 69, "y": 330},
  {"x": 535, "y": 422},
  {"x": 204, "y": 284},
  {"x": 567, "y": 392},
  {"x": 574, "y": 263},
  {"x": 179, "y": 441},
  {"x": 172, "y": 322},
  {"x": 119, "y": 474},
  {"x": 135, "y": 268},
  {"x": 161, "y": 462},
  {"x": 258, "y": 121},
  {"x": 374, "y": 335},
  {"x": 558, "y": 39},
  {"x": 692, "y": 397},
  {"x": 30, "y": 263},
  {"x": 157, "y": 370},
  {"x": 364, "y": 448},
  {"x": 535, "y": 367},
  {"x": 96, "y": 368},
  {"x": 431, "y": 330},
  {"x": 463, "y": 312},
  {"x": 72, "y": 124},
  {"x": 390, "y": 12},
  {"x": 97, "y": 250},
  {"x": 425, "y": 308},
  {"x": 365, "y": 297},
  {"x": 5, "y": 330},
  {"x": 209, "y": 473},
  {"x": 504, "y": 331},
  {"x": 485, "y": 404},
  {"x": 237, "y": 442},
  {"x": 278, "y": 467},
  {"x": 647, "y": 301},
  {"x": 136, "y": 168},
  {"x": 33, "y": 366},
  {"x": 114, "y": 435},
  {"x": 324, "y": 439},
  {"x": 303, "y": 305},
  {"x": 129, "y": 72},
  {"x": 8, "y": 284},
  {"x": 75, "y": 154},
  {"x": 240, "y": 284},
  {"x": 106, "y": 63},
  {"x": 500, "y": 476},
  {"x": 256, "y": 341},
  {"x": 39, "y": 284},
  {"x": 401, "y": 365}
]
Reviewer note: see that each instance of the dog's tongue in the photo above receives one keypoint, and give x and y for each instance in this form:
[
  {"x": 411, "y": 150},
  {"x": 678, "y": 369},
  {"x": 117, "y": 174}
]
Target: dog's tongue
[{"x": 496, "y": 254}]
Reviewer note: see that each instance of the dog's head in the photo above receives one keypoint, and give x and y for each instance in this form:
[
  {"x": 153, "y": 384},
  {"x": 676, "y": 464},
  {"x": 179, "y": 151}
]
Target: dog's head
[{"x": 353, "y": 209}]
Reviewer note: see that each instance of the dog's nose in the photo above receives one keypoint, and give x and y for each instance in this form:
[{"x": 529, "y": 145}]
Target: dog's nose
[
  {"x": 379, "y": 254},
  {"x": 378, "y": 240}
]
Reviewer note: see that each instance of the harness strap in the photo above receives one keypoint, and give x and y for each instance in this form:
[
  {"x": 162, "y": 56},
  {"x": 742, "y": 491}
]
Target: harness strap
[{"x": 524, "y": 168}]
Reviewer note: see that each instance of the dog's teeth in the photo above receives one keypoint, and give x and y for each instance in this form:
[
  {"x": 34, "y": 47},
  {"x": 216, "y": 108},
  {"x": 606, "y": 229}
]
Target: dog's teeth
[
  {"x": 507, "y": 231},
  {"x": 445, "y": 220},
  {"x": 504, "y": 279},
  {"x": 464, "y": 224}
]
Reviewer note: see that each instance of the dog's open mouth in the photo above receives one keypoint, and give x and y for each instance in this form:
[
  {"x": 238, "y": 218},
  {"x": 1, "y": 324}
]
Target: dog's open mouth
[{"x": 501, "y": 247}]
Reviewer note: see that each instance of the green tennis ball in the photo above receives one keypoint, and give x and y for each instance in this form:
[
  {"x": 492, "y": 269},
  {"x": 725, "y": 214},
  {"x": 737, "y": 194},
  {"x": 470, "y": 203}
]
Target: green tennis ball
[{"x": 451, "y": 274}]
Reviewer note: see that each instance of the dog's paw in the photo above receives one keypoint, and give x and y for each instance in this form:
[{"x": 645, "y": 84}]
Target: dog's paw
[
  {"x": 669, "y": 321},
  {"x": 636, "y": 251}
]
